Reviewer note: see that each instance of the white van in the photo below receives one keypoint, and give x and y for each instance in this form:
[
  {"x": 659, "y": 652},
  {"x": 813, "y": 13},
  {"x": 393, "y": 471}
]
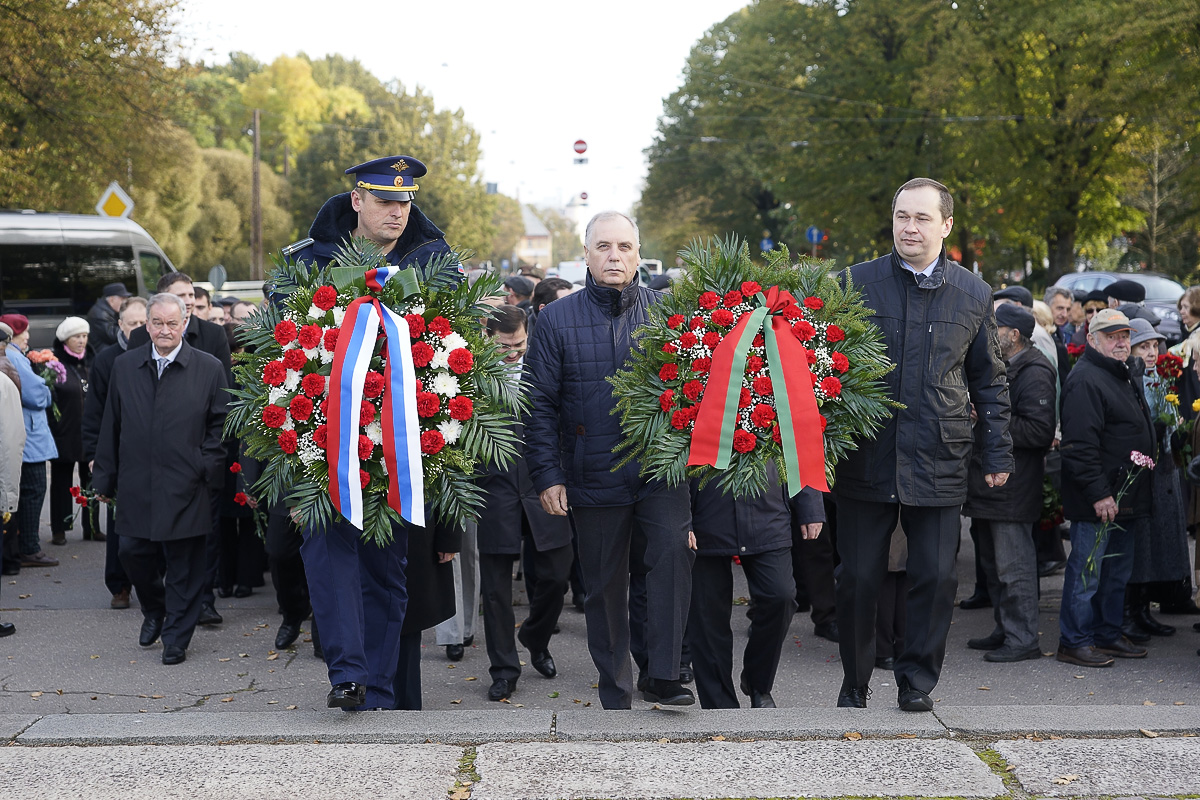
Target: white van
[{"x": 55, "y": 265}]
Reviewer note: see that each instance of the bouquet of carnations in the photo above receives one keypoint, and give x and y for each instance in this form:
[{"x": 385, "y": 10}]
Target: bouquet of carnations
[
  {"x": 742, "y": 363},
  {"x": 371, "y": 390},
  {"x": 47, "y": 367}
]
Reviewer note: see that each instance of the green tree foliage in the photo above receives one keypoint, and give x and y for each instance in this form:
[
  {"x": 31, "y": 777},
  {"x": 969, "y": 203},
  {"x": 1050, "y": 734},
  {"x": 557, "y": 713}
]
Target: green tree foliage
[
  {"x": 565, "y": 242},
  {"x": 507, "y": 227}
]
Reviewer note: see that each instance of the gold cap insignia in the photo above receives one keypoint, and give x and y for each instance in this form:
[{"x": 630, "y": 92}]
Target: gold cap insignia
[
  {"x": 399, "y": 180},
  {"x": 400, "y": 166}
]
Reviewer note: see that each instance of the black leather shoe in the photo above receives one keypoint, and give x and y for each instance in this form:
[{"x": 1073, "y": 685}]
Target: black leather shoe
[
  {"x": 470, "y": 640},
  {"x": 502, "y": 689},
  {"x": 1006, "y": 654},
  {"x": 10, "y": 567},
  {"x": 1122, "y": 648},
  {"x": 1196, "y": 627},
  {"x": 287, "y": 634},
  {"x": 242, "y": 591},
  {"x": 642, "y": 682},
  {"x": 223, "y": 591},
  {"x": 886, "y": 662},
  {"x": 853, "y": 696},
  {"x": 1047, "y": 568},
  {"x": 667, "y": 693},
  {"x": 346, "y": 695},
  {"x": 827, "y": 630},
  {"x": 543, "y": 663},
  {"x": 1185, "y": 607},
  {"x": 1143, "y": 619},
  {"x": 1083, "y": 657},
  {"x": 992, "y": 641},
  {"x": 757, "y": 699},
  {"x": 686, "y": 673},
  {"x": 455, "y": 652},
  {"x": 209, "y": 615},
  {"x": 151, "y": 628},
  {"x": 7, "y": 629},
  {"x": 173, "y": 654},
  {"x": 978, "y": 600},
  {"x": 1133, "y": 632},
  {"x": 910, "y": 699}
]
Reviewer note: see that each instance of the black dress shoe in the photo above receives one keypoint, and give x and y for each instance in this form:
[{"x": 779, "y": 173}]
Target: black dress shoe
[
  {"x": 1143, "y": 619},
  {"x": 827, "y": 630},
  {"x": 667, "y": 693},
  {"x": 209, "y": 615},
  {"x": 1083, "y": 657},
  {"x": 173, "y": 654},
  {"x": 454, "y": 652},
  {"x": 287, "y": 634},
  {"x": 242, "y": 591},
  {"x": 1196, "y": 627},
  {"x": 992, "y": 641},
  {"x": 543, "y": 663},
  {"x": 223, "y": 591},
  {"x": 1006, "y": 654},
  {"x": 1133, "y": 631},
  {"x": 346, "y": 695},
  {"x": 1122, "y": 648},
  {"x": 470, "y": 640},
  {"x": 686, "y": 673},
  {"x": 10, "y": 567},
  {"x": 1047, "y": 568},
  {"x": 502, "y": 689},
  {"x": 910, "y": 699},
  {"x": 978, "y": 600},
  {"x": 757, "y": 699},
  {"x": 642, "y": 682},
  {"x": 151, "y": 628},
  {"x": 7, "y": 629},
  {"x": 853, "y": 696},
  {"x": 885, "y": 662}
]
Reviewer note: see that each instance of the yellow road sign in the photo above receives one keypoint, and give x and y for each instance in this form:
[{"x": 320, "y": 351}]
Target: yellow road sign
[{"x": 114, "y": 202}]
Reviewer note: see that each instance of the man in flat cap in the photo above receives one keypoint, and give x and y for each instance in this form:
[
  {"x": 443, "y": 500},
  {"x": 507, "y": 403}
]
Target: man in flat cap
[{"x": 102, "y": 318}]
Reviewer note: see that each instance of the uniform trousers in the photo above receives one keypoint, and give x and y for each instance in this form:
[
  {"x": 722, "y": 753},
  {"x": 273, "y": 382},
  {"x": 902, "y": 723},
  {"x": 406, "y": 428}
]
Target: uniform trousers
[
  {"x": 545, "y": 592},
  {"x": 407, "y": 683},
  {"x": 212, "y": 552},
  {"x": 864, "y": 537},
  {"x": 169, "y": 578},
  {"x": 115, "y": 578},
  {"x": 358, "y": 599},
  {"x": 710, "y": 637},
  {"x": 282, "y": 543},
  {"x": 605, "y": 534}
]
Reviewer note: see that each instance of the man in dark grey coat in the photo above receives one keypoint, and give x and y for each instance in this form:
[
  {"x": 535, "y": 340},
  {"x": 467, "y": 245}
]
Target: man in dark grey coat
[
  {"x": 939, "y": 330},
  {"x": 159, "y": 454}
]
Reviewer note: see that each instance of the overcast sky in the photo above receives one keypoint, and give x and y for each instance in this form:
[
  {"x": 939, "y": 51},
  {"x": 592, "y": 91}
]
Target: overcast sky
[{"x": 531, "y": 76}]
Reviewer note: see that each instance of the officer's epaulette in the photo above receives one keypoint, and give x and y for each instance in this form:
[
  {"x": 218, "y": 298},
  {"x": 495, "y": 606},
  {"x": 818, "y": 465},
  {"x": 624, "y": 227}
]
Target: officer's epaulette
[{"x": 296, "y": 247}]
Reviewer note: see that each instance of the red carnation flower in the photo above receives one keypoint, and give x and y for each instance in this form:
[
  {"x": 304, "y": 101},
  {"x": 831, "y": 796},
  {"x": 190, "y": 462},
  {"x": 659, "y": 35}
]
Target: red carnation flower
[
  {"x": 366, "y": 413},
  {"x": 235, "y": 468},
  {"x": 301, "y": 408},
  {"x": 274, "y": 373},
  {"x": 811, "y": 357},
  {"x": 688, "y": 340},
  {"x": 803, "y": 330},
  {"x": 840, "y": 362},
  {"x": 285, "y": 332},
  {"x": 668, "y": 372},
  {"x": 422, "y": 354},
  {"x": 775, "y": 437},
  {"x": 325, "y": 407},
  {"x": 731, "y": 299},
  {"x": 331, "y": 337},
  {"x": 240, "y": 498},
  {"x": 744, "y": 441},
  {"x": 427, "y": 404},
  {"x": 420, "y": 385},
  {"x": 763, "y": 387},
  {"x": 831, "y": 386},
  {"x": 666, "y": 400},
  {"x": 753, "y": 364},
  {"x": 702, "y": 365},
  {"x": 416, "y": 325},
  {"x": 364, "y": 478},
  {"x": 460, "y": 360},
  {"x": 750, "y": 288},
  {"x": 432, "y": 442},
  {"x": 680, "y": 419},
  {"x": 670, "y": 347},
  {"x": 758, "y": 340},
  {"x": 1075, "y": 350},
  {"x": 692, "y": 390},
  {"x": 675, "y": 321},
  {"x": 723, "y": 317},
  {"x": 792, "y": 313},
  {"x": 287, "y": 441},
  {"x": 711, "y": 340},
  {"x": 75, "y": 491},
  {"x": 274, "y": 416},
  {"x": 440, "y": 326},
  {"x": 824, "y": 422},
  {"x": 295, "y": 360},
  {"x": 696, "y": 323},
  {"x": 313, "y": 384},
  {"x": 83, "y": 501},
  {"x": 373, "y": 385},
  {"x": 325, "y": 298},
  {"x": 310, "y": 336},
  {"x": 762, "y": 416},
  {"x": 708, "y": 301},
  {"x": 834, "y": 334},
  {"x": 321, "y": 436},
  {"x": 365, "y": 448},
  {"x": 745, "y": 399},
  {"x": 812, "y": 376},
  {"x": 815, "y": 303},
  {"x": 461, "y": 408}
]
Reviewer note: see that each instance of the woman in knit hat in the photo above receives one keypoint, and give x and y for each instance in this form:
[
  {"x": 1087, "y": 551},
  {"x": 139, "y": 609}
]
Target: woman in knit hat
[{"x": 70, "y": 346}]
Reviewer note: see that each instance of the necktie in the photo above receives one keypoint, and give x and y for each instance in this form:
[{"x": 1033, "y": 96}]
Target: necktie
[{"x": 162, "y": 365}]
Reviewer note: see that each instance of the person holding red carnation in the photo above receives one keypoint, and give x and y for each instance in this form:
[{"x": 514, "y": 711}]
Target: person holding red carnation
[{"x": 939, "y": 330}]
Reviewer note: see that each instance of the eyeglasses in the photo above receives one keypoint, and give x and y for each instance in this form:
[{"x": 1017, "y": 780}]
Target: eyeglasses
[
  {"x": 513, "y": 348},
  {"x": 1090, "y": 311}
]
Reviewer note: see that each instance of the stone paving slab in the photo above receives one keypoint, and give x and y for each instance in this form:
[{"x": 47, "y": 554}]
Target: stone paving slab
[
  {"x": 330, "y": 726},
  {"x": 1096, "y": 767},
  {"x": 746, "y": 723},
  {"x": 641, "y": 771},
  {"x": 249, "y": 772},
  {"x": 1069, "y": 720},
  {"x": 12, "y": 724}
]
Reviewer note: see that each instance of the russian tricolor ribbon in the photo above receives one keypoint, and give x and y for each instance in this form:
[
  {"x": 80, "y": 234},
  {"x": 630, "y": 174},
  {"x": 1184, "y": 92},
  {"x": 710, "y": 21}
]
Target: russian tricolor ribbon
[
  {"x": 398, "y": 417},
  {"x": 795, "y": 404}
]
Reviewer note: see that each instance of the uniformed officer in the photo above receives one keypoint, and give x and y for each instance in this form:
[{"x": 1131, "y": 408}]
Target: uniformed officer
[{"x": 357, "y": 588}]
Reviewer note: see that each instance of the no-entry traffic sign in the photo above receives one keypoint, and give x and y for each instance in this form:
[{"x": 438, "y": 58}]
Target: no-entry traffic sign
[{"x": 580, "y": 146}]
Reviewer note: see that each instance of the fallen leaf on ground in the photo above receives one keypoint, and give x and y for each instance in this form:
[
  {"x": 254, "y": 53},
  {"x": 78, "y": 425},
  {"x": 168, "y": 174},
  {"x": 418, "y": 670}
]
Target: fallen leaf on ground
[
  {"x": 1063, "y": 780},
  {"x": 1180, "y": 703},
  {"x": 272, "y": 702},
  {"x": 222, "y": 660},
  {"x": 451, "y": 666},
  {"x": 506, "y": 700},
  {"x": 1149, "y": 703},
  {"x": 718, "y": 738},
  {"x": 59, "y": 691},
  {"x": 1148, "y": 734},
  {"x": 985, "y": 688},
  {"x": 156, "y": 697},
  {"x": 35, "y": 694},
  {"x": 906, "y": 736},
  {"x": 1011, "y": 768},
  {"x": 664, "y": 741},
  {"x": 1080, "y": 677},
  {"x": 94, "y": 656},
  {"x": 1056, "y": 738},
  {"x": 292, "y": 708},
  {"x": 472, "y": 678},
  {"x": 853, "y": 736},
  {"x": 24, "y": 596},
  {"x": 456, "y": 702},
  {"x": 273, "y": 656},
  {"x": 243, "y": 655},
  {"x": 552, "y": 695},
  {"x": 226, "y": 699}
]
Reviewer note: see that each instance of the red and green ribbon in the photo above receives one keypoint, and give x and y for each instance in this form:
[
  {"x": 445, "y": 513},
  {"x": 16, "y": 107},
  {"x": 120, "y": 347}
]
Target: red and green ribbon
[{"x": 795, "y": 404}]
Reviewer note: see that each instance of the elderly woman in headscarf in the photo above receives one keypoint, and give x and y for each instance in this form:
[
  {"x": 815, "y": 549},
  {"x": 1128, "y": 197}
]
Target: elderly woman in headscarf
[{"x": 70, "y": 347}]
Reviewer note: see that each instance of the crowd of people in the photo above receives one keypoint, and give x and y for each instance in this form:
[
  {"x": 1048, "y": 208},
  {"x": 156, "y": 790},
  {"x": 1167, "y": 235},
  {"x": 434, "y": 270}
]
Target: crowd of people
[{"x": 1016, "y": 413}]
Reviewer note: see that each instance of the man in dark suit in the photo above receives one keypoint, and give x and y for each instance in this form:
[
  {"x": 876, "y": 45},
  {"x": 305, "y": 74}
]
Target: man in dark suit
[{"x": 159, "y": 452}]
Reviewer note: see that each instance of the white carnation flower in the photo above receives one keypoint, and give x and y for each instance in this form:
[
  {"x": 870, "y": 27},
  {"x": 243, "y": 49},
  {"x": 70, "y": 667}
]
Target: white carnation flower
[
  {"x": 445, "y": 384},
  {"x": 441, "y": 359},
  {"x": 338, "y": 315},
  {"x": 450, "y": 430},
  {"x": 374, "y": 432},
  {"x": 453, "y": 341},
  {"x": 326, "y": 356},
  {"x": 419, "y": 308},
  {"x": 311, "y": 352},
  {"x": 277, "y": 393},
  {"x": 315, "y": 314},
  {"x": 289, "y": 424},
  {"x": 292, "y": 381}
]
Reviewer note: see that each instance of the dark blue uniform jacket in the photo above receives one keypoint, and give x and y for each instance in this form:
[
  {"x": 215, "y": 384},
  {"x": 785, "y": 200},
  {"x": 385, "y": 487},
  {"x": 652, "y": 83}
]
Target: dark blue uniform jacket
[
  {"x": 330, "y": 231},
  {"x": 747, "y": 526}
]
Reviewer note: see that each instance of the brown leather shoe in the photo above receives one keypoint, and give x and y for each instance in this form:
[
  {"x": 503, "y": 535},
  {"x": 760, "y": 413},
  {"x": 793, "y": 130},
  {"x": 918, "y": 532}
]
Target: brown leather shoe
[
  {"x": 1083, "y": 657},
  {"x": 1122, "y": 648},
  {"x": 120, "y": 599}
]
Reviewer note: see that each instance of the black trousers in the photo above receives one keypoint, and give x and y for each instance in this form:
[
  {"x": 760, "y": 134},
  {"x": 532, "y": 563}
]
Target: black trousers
[
  {"x": 407, "y": 683},
  {"x": 173, "y": 596},
  {"x": 62, "y": 505},
  {"x": 812, "y": 566},
  {"x": 212, "y": 552},
  {"x": 545, "y": 588},
  {"x": 283, "y": 539},
  {"x": 242, "y": 557},
  {"x": 889, "y": 624},
  {"x": 864, "y": 537},
  {"x": 605, "y": 535},
  {"x": 115, "y": 578},
  {"x": 710, "y": 637},
  {"x": 29, "y": 507}
]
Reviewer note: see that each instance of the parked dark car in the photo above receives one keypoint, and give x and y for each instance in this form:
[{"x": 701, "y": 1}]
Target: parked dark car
[{"x": 1162, "y": 293}]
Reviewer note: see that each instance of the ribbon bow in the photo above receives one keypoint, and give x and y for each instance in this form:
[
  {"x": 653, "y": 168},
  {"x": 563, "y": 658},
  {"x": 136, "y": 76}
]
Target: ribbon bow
[
  {"x": 401, "y": 432},
  {"x": 796, "y": 405}
]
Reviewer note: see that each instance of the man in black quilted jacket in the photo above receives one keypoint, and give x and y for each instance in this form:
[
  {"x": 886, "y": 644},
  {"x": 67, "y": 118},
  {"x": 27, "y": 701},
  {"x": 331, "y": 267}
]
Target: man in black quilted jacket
[{"x": 570, "y": 437}]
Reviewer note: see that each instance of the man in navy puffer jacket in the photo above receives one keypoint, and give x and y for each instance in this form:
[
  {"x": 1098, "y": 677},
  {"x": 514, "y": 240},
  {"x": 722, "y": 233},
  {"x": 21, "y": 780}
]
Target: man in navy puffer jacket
[{"x": 570, "y": 437}]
